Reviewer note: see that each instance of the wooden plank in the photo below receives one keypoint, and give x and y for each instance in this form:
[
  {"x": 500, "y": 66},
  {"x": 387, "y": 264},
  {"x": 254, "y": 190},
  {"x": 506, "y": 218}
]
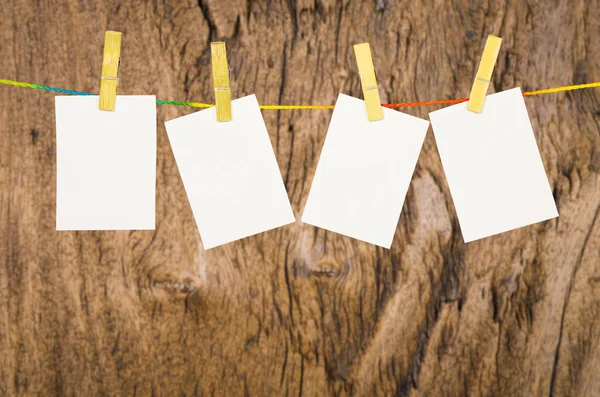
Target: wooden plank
[{"x": 298, "y": 310}]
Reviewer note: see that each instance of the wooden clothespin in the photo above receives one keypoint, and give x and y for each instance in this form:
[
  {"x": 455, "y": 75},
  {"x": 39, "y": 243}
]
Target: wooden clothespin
[
  {"x": 484, "y": 74},
  {"x": 368, "y": 81},
  {"x": 110, "y": 71},
  {"x": 220, "y": 73}
]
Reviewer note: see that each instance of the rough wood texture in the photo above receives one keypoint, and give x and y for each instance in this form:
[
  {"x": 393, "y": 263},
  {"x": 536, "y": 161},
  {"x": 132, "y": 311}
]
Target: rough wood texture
[{"x": 298, "y": 311}]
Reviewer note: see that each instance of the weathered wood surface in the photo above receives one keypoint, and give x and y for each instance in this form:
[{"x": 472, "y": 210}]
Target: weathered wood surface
[{"x": 298, "y": 311}]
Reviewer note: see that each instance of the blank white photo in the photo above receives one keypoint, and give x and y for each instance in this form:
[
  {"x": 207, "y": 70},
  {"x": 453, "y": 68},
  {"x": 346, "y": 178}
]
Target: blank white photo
[
  {"x": 493, "y": 166},
  {"x": 230, "y": 173},
  {"x": 364, "y": 172},
  {"x": 105, "y": 163}
]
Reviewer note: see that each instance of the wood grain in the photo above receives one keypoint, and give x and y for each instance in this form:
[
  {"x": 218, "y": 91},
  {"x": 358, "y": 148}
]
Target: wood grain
[{"x": 299, "y": 311}]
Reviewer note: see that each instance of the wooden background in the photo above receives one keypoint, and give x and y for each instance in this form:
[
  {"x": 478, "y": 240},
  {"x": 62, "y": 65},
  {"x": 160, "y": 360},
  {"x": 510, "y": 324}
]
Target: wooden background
[{"x": 299, "y": 311}]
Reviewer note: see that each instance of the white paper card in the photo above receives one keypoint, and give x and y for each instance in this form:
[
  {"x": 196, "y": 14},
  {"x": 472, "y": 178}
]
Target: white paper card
[
  {"x": 493, "y": 165},
  {"x": 364, "y": 172},
  {"x": 230, "y": 173},
  {"x": 105, "y": 163}
]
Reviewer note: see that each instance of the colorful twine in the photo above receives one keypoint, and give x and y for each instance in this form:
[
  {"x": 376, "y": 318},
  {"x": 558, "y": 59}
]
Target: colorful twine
[{"x": 290, "y": 107}]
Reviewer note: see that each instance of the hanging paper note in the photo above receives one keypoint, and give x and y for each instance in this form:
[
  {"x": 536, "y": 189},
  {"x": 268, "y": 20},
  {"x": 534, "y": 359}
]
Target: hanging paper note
[
  {"x": 493, "y": 166},
  {"x": 230, "y": 173},
  {"x": 364, "y": 172},
  {"x": 105, "y": 163}
]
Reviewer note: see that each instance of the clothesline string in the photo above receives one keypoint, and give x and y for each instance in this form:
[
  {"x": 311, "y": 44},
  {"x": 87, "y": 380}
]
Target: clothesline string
[{"x": 291, "y": 107}]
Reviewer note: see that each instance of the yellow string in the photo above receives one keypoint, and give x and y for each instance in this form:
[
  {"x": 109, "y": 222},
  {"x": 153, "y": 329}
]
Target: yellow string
[
  {"x": 287, "y": 107},
  {"x": 561, "y": 89},
  {"x": 290, "y": 107}
]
